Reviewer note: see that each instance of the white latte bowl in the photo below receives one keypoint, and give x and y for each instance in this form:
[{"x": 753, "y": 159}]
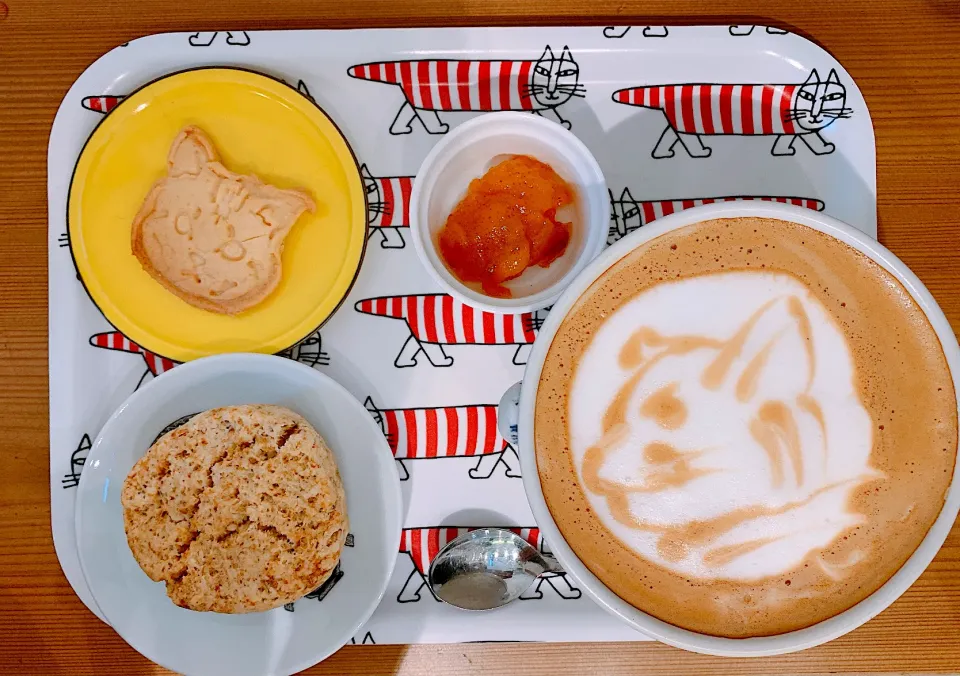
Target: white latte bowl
[
  {"x": 466, "y": 153},
  {"x": 801, "y": 639}
]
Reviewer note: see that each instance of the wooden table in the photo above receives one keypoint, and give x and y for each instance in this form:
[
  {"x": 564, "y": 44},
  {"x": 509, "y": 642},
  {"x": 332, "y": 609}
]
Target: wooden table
[{"x": 905, "y": 56}]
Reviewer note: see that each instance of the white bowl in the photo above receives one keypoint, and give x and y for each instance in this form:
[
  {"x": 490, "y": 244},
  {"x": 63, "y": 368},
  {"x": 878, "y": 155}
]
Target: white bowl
[
  {"x": 273, "y": 642},
  {"x": 768, "y": 645},
  {"x": 466, "y": 153}
]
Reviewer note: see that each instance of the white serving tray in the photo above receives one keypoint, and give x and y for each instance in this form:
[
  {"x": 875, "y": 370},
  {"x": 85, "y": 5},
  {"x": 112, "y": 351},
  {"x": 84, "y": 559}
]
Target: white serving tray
[{"x": 429, "y": 370}]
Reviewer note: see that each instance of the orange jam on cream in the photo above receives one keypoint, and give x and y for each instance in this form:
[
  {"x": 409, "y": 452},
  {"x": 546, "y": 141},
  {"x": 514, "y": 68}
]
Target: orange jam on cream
[{"x": 506, "y": 223}]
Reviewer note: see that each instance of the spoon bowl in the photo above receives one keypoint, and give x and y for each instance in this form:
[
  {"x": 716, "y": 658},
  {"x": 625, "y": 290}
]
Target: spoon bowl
[{"x": 486, "y": 568}]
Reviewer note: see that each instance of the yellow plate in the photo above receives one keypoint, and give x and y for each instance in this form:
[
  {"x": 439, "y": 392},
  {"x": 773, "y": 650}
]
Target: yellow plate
[{"x": 259, "y": 126}]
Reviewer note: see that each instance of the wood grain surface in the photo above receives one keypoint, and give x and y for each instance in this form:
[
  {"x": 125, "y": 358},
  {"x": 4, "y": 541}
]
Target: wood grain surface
[{"x": 904, "y": 55}]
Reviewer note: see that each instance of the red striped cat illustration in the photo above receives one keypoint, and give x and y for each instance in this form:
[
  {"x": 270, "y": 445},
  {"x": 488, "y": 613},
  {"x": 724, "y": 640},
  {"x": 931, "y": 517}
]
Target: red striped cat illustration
[
  {"x": 309, "y": 352},
  {"x": 107, "y": 102},
  {"x": 72, "y": 478},
  {"x": 437, "y": 319},
  {"x": 432, "y": 86},
  {"x": 446, "y": 432},
  {"x": 648, "y": 31},
  {"x": 628, "y": 214},
  {"x": 366, "y": 640},
  {"x": 114, "y": 340},
  {"x": 786, "y": 111},
  {"x": 207, "y": 38},
  {"x": 423, "y": 545},
  {"x": 101, "y": 104},
  {"x": 743, "y": 30},
  {"x": 663, "y": 31},
  {"x": 388, "y": 206}
]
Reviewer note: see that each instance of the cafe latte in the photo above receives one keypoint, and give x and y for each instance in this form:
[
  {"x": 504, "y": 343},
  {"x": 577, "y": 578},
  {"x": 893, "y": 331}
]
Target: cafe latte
[{"x": 745, "y": 427}]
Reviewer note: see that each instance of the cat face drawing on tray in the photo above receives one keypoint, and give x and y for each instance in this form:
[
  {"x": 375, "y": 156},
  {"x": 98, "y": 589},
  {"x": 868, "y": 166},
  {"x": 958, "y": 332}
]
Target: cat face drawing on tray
[
  {"x": 554, "y": 80},
  {"x": 375, "y": 204},
  {"x": 785, "y": 111},
  {"x": 819, "y": 103},
  {"x": 310, "y": 352},
  {"x": 625, "y": 215}
]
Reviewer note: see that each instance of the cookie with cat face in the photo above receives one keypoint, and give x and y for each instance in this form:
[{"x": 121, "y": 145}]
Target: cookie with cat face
[{"x": 211, "y": 236}]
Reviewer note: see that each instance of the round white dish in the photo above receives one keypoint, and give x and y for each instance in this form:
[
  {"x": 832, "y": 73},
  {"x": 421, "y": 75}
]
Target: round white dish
[
  {"x": 273, "y": 642},
  {"x": 466, "y": 153},
  {"x": 662, "y": 631}
]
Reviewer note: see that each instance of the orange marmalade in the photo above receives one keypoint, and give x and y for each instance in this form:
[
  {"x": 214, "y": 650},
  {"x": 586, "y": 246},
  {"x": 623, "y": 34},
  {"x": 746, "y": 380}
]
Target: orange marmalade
[{"x": 505, "y": 224}]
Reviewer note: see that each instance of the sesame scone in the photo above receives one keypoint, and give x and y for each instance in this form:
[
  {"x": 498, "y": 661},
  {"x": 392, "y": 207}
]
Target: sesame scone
[{"x": 239, "y": 510}]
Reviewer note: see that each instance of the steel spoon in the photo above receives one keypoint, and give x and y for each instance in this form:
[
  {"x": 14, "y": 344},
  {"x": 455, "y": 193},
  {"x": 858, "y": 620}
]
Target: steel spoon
[{"x": 486, "y": 568}]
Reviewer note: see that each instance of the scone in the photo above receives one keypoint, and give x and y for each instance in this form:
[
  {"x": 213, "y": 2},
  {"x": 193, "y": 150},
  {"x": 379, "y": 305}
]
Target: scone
[
  {"x": 212, "y": 237},
  {"x": 239, "y": 510}
]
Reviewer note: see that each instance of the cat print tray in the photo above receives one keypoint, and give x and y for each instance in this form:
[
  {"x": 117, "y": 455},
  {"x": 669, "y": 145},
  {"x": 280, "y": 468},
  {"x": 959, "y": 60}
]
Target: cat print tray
[{"x": 676, "y": 116}]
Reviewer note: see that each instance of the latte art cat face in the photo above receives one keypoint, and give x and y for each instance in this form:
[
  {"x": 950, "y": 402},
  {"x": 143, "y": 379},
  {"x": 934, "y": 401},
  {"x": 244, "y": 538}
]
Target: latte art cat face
[{"x": 734, "y": 436}]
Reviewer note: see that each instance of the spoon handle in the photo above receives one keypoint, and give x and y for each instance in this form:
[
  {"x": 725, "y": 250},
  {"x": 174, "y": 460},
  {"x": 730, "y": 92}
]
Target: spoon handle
[{"x": 553, "y": 566}]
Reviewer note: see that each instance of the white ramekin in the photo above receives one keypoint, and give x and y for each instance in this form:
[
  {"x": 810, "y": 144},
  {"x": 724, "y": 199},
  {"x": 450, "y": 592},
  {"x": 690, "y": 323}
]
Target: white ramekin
[
  {"x": 464, "y": 154},
  {"x": 821, "y": 632}
]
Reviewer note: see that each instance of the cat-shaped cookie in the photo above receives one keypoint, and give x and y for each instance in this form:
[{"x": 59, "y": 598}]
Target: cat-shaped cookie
[{"x": 213, "y": 237}]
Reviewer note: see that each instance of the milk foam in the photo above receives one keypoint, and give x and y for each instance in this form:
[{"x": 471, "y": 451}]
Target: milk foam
[{"x": 742, "y": 464}]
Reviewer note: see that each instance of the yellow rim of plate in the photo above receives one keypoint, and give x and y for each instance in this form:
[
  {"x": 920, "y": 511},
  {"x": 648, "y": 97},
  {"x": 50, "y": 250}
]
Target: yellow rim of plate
[{"x": 285, "y": 337}]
